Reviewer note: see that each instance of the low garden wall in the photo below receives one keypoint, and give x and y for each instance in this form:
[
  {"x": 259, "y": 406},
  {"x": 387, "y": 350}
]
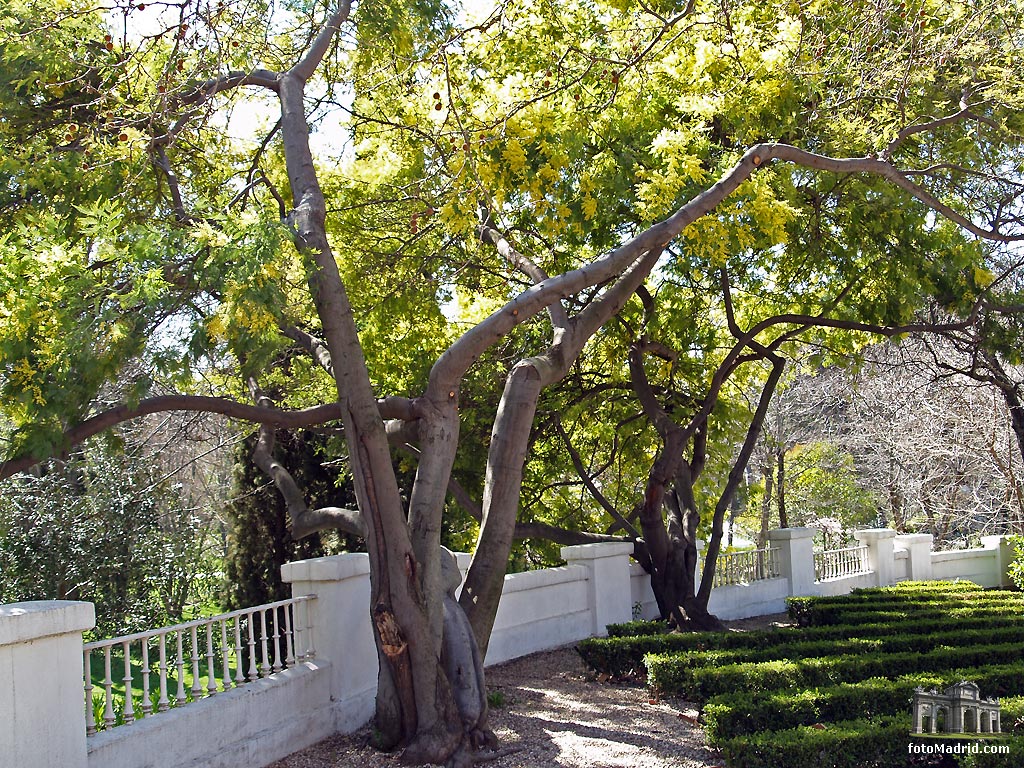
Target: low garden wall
[{"x": 41, "y": 688}]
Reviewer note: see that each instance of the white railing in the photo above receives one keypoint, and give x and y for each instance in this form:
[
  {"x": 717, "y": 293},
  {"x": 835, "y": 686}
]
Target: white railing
[
  {"x": 746, "y": 566},
  {"x": 246, "y": 645},
  {"x": 835, "y": 563}
]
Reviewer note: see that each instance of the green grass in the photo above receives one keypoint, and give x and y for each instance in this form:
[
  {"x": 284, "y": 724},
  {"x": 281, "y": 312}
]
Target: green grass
[{"x": 97, "y": 675}]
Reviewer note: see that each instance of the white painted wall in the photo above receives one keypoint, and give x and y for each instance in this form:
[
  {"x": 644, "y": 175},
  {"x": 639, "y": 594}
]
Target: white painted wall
[
  {"x": 980, "y": 566},
  {"x": 254, "y": 725}
]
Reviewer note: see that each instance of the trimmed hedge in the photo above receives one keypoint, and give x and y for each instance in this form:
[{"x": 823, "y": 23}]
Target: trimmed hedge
[
  {"x": 919, "y": 597},
  {"x": 620, "y": 656},
  {"x": 638, "y": 628},
  {"x": 731, "y": 715},
  {"x": 898, "y": 644},
  {"x": 916, "y": 587},
  {"x": 847, "y": 744},
  {"x": 670, "y": 674},
  {"x": 813, "y": 615}
]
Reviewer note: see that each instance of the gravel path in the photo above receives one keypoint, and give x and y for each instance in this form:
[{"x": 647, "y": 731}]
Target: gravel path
[{"x": 555, "y": 713}]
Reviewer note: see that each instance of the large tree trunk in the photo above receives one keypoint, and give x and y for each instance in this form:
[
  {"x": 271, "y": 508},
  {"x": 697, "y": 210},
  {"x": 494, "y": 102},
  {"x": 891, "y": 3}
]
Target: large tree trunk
[
  {"x": 415, "y": 706},
  {"x": 780, "y": 488},
  {"x": 766, "y": 505}
]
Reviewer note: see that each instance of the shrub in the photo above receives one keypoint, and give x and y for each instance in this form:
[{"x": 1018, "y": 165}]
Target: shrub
[
  {"x": 670, "y": 674},
  {"x": 848, "y": 744},
  {"x": 638, "y": 628}
]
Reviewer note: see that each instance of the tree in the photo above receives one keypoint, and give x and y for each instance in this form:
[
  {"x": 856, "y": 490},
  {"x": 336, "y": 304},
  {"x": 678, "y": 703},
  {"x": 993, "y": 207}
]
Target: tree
[
  {"x": 117, "y": 523},
  {"x": 540, "y": 184}
]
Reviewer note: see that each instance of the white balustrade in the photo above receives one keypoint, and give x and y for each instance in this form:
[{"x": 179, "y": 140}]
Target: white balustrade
[
  {"x": 195, "y": 648},
  {"x": 836, "y": 563},
  {"x": 746, "y": 566}
]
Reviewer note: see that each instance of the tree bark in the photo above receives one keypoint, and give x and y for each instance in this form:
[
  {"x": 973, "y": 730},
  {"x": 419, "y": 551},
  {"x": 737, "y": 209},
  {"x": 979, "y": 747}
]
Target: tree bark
[{"x": 780, "y": 488}]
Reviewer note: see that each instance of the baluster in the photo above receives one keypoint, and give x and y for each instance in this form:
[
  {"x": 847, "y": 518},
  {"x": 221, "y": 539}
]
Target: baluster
[
  {"x": 211, "y": 673},
  {"x": 278, "y": 666},
  {"x": 90, "y": 713},
  {"x": 239, "y": 663},
  {"x": 226, "y": 649},
  {"x": 289, "y": 643},
  {"x": 264, "y": 639},
  {"x": 163, "y": 703},
  {"x": 298, "y": 631},
  {"x": 108, "y": 690},
  {"x": 197, "y": 688},
  {"x": 147, "y": 704},
  {"x": 180, "y": 697},
  {"x": 310, "y": 648},
  {"x": 129, "y": 706},
  {"x": 253, "y": 670}
]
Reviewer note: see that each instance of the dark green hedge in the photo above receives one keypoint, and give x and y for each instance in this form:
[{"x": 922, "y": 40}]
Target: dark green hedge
[
  {"x": 909, "y": 596},
  {"x": 847, "y": 744},
  {"x": 638, "y": 628},
  {"x": 834, "y": 647},
  {"x": 812, "y": 615},
  {"x": 730, "y": 715},
  {"x": 671, "y": 674}
]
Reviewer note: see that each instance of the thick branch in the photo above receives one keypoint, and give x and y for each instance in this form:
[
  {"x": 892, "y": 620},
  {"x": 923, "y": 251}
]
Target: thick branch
[
  {"x": 911, "y": 130},
  {"x": 304, "y": 521},
  {"x": 390, "y": 407},
  {"x": 205, "y": 90},
  {"x": 315, "y": 347},
  {"x": 307, "y": 65},
  {"x": 886, "y": 171},
  {"x": 559, "y": 318}
]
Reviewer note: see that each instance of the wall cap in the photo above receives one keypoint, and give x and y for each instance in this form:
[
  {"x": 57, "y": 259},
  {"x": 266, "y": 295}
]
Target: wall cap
[
  {"x": 787, "y": 534},
  {"x": 914, "y": 538},
  {"x": 22, "y": 622},
  {"x": 874, "y": 534},
  {"x": 597, "y": 551},
  {"x": 334, "y": 568}
]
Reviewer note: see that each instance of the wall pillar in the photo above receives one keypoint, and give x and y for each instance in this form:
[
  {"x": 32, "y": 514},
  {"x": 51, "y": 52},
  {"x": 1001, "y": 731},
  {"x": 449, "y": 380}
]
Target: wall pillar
[
  {"x": 609, "y": 594},
  {"x": 881, "y": 553},
  {"x": 796, "y": 558},
  {"x": 42, "y": 699},
  {"x": 919, "y": 554},
  {"x": 342, "y": 634},
  {"x": 1005, "y": 553}
]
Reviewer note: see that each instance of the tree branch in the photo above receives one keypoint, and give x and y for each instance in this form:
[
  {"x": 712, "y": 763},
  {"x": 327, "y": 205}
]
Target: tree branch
[
  {"x": 315, "y": 347},
  {"x": 304, "y": 521},
  {"x": 307, "y": 65},
  {"x": 389, "y": 407},
  {"x": 588, "y": 482},
  {"x": 886, "y": 171},
  {"x": 559, "y": 318}
]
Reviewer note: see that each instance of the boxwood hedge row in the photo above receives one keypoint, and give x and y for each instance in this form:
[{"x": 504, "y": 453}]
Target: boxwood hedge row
[
  {"x": 918, "y": 597},
  {"x": 731, "y": 715},
  {"x": 848, "y": 744},
  {"x": 825, "y": 695},
  {"x": 638, "y": 628},
  {"x": 822, "y": 615},
  {"x": 821, "y": 648},
  {"x": 671, "y": 674}
]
